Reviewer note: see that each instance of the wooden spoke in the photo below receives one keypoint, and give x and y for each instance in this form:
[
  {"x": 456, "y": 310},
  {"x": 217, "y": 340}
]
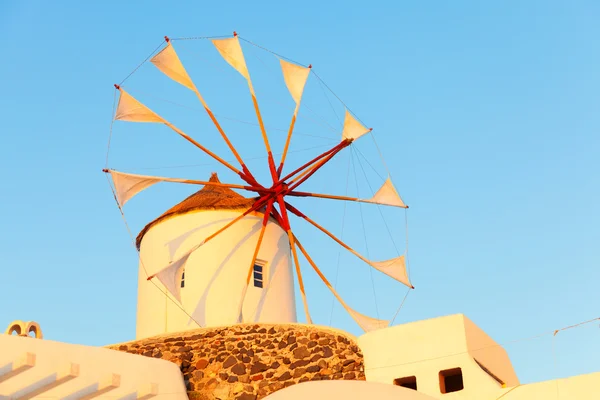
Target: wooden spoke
[
  {"x": 311, "y": 162},
  {"x": 255, "y": 256},
  {"x": 204, "y": 149},
  {"x": 258, "y": 204},
  {"x": 389, "y": 267},
  {"x": 286, "y": 225},
  {"x": 294, "y": 183},
  {"x": 334, "y": 197},
  {"x": 299, "y": 273},
  {"x": 197, "y": 182},
  {"x": 298, "y": 213}
]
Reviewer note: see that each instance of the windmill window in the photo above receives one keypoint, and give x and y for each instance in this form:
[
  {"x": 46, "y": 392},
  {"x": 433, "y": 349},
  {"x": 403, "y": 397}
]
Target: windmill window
[
  {"x": 258, "y": 272},
  {"x": 183, "y": 278},
  {"x": 409, "y": 382},
  {"x": 451, "y": 380}
]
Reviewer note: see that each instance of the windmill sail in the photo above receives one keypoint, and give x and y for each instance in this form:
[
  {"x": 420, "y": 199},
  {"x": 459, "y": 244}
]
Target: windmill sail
[
  {"x": 128, "y": 185},
  {"x": 295, "y": 78},
  {"x": 231, "y": 51},
  {"x": 352, "y": 128},
  {"x": 129, "y": 109},
  {"x": 387, "y": 195},
  {"x": 395, "y": 268},
  {"x": 170, "y": 276},
  {"x": 169, "y": 64}
]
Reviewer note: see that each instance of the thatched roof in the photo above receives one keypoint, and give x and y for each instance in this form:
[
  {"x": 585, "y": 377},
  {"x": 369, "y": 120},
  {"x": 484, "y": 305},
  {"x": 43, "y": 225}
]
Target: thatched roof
[{"x": 210, "y": 197}]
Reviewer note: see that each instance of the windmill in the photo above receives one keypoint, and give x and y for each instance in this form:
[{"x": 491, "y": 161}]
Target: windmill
[{"x": 178, "y": 243}]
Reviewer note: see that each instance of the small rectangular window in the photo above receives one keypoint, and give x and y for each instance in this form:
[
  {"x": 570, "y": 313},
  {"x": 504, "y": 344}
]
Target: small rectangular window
[
  {"x": 183, "y": 279},
  {"x": 409, "y": 382},
  {"x": 451, "y": 380},
  {"x": 258, "y": 274}
]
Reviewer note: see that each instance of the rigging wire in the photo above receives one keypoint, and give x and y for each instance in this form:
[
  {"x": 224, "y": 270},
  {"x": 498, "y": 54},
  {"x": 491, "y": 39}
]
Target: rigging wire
[
  {"x": 379, "y": 208},
  {"x": 370, "y": 165},
  {"x": 272, "y": 52},
  {"x": 209, "y": 164},
  {"x": 337, "y": 97},
  {"x": 362, "y": 219},
  {"x": 202, "y": 37},
  {"x": 337, "y": 267},
  {"x": 112, "y": 122},
  {"x": 142, "y": 261},
  {"x": 399, "y": 307},
  {"x": 304, "y": 105},
  {"x": 143, "y": 62},
  {"x": 392, "y": 238},
  {"x": 222, "y": 116},
  {"x": 330, "y": 105}
]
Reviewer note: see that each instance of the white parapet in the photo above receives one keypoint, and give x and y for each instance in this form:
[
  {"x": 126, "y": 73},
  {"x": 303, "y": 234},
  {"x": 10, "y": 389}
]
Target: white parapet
[
  {"x": 33, "y": 368},
  {"x": 14, "y": 368}
]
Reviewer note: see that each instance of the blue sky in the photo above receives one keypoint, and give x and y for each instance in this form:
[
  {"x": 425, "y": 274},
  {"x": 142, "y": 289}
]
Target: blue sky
[{"x": 486, "y": 114}]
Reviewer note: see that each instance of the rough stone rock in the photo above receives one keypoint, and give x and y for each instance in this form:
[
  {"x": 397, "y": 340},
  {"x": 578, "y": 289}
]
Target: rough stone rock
[
  {"x": 230, "y": 361},
  {"x": 239, "y": 369},
  {"x": 252, "y": 361},
  {"x": 258, "y": 367},
  {"x": 301, "y": 352}
]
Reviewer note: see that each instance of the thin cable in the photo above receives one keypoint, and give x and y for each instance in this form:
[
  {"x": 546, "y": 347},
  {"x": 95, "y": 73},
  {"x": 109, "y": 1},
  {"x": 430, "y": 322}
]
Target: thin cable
[
  {"x": 399, "y": 307},
  {"x": 381, "y": 154},
  {"x": 112, "y": 122},
  {"x": 379, "y": 208},
  {"x": 323, "y": 122},
  {"x": 140, "y": 257},
  {"x": 508, "y": 391},
  {"x": 337, "y": 268},
  {"x": 362, "y": 218},
  {"x": 406, "y": 238},
  {"x": 336, "y": 96},
  {"x": 202, "y": 37},
  {"x": 207, "y": 164},
  {"x": 222, "y": 116},
  {"x": 330, "y": 105},
  {"x": 272, "y": 52},
  {"x": 370, "y": 165},
  {"x": 555, "y": 362},
  {"x": 143, "y": 62}
]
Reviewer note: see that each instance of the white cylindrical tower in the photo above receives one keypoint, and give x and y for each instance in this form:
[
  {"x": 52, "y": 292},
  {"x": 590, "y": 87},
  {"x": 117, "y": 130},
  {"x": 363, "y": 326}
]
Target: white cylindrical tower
[{"x": 214, "y": 276}]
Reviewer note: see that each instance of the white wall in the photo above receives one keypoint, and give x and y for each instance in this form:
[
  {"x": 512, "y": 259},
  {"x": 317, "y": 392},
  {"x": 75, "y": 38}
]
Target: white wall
[
  {"x": 347, "y": 390},
  {"x": 90, "y": 369},
  {"x": 215, "y": 274},
  {"x": 425, "y": 348}
]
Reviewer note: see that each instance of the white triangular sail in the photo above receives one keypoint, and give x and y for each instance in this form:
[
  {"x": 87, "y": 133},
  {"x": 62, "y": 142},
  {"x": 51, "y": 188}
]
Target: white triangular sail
[
  {"x": 295, "y": 78},
  {"x": 365, "y": 322},
  {"x": 129, "y": 109},
  {"x": 387, "y": 195},
  {"x": 352, "y": 128},
  {"x": 128, "y": 185},
  {"x": 170, "y": 276},
  {"x": 167, "y": 61},
  {"x": 231, "y": 51},
  {"x": 395, "y": 268}
]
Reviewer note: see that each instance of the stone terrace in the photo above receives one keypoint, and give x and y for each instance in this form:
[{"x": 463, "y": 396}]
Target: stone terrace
[{"x": 249, "y": 362}]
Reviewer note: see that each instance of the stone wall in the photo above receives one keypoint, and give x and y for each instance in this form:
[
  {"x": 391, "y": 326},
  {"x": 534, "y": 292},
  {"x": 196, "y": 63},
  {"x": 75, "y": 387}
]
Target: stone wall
[{"x": 251, "y": 361}]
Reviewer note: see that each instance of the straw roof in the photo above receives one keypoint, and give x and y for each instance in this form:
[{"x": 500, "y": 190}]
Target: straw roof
[{"x": 210, "y": 197}]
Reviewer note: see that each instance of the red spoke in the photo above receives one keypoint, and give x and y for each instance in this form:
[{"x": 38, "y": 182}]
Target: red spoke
[{"x": 311, "y": 162}]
